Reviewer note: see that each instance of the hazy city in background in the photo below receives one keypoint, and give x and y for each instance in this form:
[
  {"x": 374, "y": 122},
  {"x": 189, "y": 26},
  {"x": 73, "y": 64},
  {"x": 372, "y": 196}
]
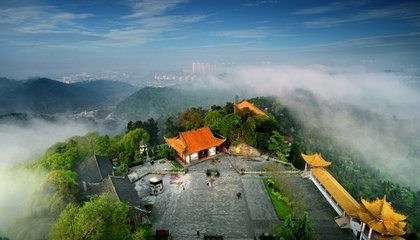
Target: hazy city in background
[{"x": 347, "y": 69}]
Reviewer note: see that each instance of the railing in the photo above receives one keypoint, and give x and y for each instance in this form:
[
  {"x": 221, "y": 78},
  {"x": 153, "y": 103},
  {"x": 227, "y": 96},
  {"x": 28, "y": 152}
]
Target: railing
[
  {"x": 164, "y": 172},
  {"x": 269, "y": 172},
  {"x": 327, "y": 196}
]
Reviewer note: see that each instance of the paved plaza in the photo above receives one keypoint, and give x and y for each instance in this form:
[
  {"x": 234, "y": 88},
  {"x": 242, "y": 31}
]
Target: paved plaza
[
  {"x": 193, "y": 206},
  {"x": 188, "y": 204}
]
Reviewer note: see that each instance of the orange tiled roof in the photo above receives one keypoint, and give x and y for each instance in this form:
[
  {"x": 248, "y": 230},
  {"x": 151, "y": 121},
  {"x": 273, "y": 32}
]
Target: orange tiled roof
[
  {"x": 245, "y": 104},
  {"x": 381, "y": 217},
  {"x": 338, "y": 193},
  {"x": 194, "y": 141},
  {"x": 315, "y": 160}
]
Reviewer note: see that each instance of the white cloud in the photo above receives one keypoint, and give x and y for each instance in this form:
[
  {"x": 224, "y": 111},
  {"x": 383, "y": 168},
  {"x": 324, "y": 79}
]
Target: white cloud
[
  {"x": 383, "y": 143},
  {"x": 150, "y": 20},
  {"x": 408, "y": 11},
  {"x": 26, "y": 195},
  {"x": 331, "y": 7},
  {"x": 243, "y": 33},
  {"x": 151, "y": 8},
  {"x": 40, "y": 18},
  {"x": 19, "y": 143},
  {"x": 259, "y": 3}
]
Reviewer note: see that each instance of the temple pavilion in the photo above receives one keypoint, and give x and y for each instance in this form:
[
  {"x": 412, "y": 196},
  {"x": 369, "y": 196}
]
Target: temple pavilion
[
  {"x": 245, "y": 104},
  {"x": 380, "y": 220},
  {"x": 367, "y": 220},
  {"x": 195, "y": 144}
]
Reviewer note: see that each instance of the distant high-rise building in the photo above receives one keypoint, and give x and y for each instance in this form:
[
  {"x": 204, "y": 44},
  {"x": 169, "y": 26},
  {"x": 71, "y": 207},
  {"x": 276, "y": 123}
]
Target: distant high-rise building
[{"x": 201, "y": 67}]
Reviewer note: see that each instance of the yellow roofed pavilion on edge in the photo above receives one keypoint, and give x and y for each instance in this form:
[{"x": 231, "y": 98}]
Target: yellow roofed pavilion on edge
[
  {"x": 245, "y": 104},
  {"x": 338, "y": 193},
  {"x": 381, "y": 217},
  {"x": 315, "y": 160}
]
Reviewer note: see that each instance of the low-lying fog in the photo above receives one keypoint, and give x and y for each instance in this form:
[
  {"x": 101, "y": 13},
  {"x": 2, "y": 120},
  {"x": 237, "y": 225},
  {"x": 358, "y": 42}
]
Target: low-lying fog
[
  {"x": 385, "y": 141},
  {"x": 387, "y": 144},
  {"x": 20, "y": 142}
]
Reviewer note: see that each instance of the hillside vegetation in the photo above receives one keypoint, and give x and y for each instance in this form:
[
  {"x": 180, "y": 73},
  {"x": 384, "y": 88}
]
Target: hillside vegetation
[
  {"x": 46, "y": 96},
  {"x": 265, "y": 133},
  {"x": 153, "y": 102}
]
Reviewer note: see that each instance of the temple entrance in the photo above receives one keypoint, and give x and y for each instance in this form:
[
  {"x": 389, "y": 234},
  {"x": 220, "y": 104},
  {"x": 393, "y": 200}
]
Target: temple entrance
[{"x": 203, "y": 154}]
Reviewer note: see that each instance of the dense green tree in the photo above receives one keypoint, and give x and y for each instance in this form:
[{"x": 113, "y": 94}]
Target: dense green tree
[
  {"x": 129, "y": 126},
  {"x": 278, "y": 146},
  {"x": 216, "y": 107},
  {"x": 296, "y": 229},
  {"x": 171, "y": 129},
  {"x": 102, "y": 145},
  {"x": 230, "y": 124},
  {"x": 261, "y": 141},
  {"x": 246, "y": 113},
  {"x": 115, "y": 146},
  {"x": 131, "y": 141},
  {"x": 165, "y": 151},
  {"x": 65, "y": 180},
  {"x": 125, "y": 160},
  {"x": 266, "y": 124},
  {"x": 99, "y": 218},
  {"x": 143, "y": 233},
  {"x": 213, "y": 120},
  {"x": 247, "y": 131},
  {"x": 151, "y": 126},
  {"x": 191, "y": 119},
  {"x": 229, "y": 107}
]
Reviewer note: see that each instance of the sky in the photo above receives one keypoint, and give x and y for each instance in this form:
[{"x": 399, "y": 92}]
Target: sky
[{"x": 55, "y": 38}]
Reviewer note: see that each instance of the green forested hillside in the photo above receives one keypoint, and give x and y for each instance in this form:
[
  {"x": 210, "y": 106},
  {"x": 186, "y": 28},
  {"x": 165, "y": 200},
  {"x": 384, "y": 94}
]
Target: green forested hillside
[
  {"x": 156, "y": 102},
  {"x": 311, "y": 122},
  {"x": 113, "y": 91},
  {"x": 47, "y": 96}
]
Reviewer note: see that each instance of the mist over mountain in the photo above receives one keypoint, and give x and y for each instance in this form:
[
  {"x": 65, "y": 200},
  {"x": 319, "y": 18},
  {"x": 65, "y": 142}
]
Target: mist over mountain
[
  {"x": 372, "y": 113},
  {"x": 384, "y": 142},
  {"x": 46, "y": 96},
  {"x": 163, "y": 101},
  {"x": 113, "y": 91}
]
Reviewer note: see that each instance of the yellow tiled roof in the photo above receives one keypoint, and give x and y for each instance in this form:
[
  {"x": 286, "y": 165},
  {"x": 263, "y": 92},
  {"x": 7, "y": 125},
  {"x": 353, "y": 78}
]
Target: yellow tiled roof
[
  {"x": 245, "y": 104},
  {"x": 315, "y": 160},
  {"x": 381, "y": 217},
  {"x": 338, "y": 193},
  {"x": 381, "y": 237}
]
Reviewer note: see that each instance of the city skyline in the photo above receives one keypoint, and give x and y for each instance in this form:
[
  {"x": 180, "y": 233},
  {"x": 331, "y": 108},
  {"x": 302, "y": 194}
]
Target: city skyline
[{"x": 56, "y": 38}]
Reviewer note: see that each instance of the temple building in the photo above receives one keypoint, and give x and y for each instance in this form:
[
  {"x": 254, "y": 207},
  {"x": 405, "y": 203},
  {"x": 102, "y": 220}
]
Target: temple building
[
  {"x": 380, "y": 221},
  {"x": 314, "y": 160},
  {"x": 245, "y": 104},
  {"x": 367, "y": 220},
  {"x": 195, "y": 144}
]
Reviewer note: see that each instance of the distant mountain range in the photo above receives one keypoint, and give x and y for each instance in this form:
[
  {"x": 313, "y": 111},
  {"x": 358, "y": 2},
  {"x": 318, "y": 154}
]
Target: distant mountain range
[
  {"x": 46, "y": 96},
  {"x": 164, "y": 101}
]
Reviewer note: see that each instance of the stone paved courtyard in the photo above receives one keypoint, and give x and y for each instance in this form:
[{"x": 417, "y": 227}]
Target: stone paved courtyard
[
  {"x": 192, "y": 206},
  {"x": 214, "y": 210}
]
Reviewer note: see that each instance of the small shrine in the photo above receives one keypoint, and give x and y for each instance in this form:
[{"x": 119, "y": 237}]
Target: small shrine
[{"x": 156, "y": 185}]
